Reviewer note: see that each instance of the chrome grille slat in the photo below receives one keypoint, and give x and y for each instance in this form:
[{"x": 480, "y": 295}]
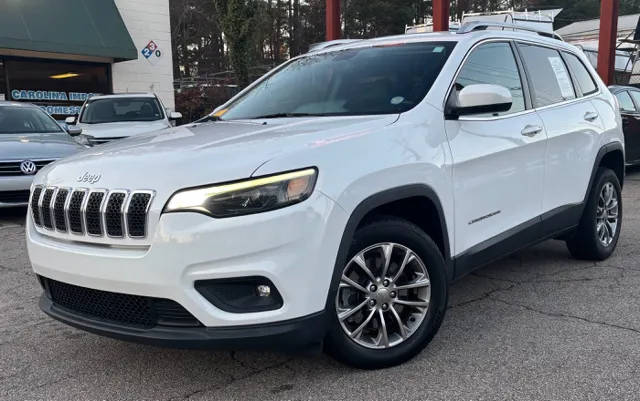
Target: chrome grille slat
[
  {"x": 93, "y": 212},
  {"x": 35, "y": 205},
  {"x": 114, "y": 214},
  {"x": 59, "y": 213},
  {"x": 45, "y": 208},
  {"x": 136, "y": 214},
  {"x": 74, "y": 211}
]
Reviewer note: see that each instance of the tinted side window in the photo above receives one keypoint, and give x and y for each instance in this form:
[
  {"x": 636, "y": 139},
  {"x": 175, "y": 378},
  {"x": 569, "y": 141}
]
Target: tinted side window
[
  {"x": 626, "y": 104},
  {"x": 550, "y": 79},
  {"x": 636, "y": 97},
  {"x": 493, "y": 63},
  {"x": 581, "y": 74}
]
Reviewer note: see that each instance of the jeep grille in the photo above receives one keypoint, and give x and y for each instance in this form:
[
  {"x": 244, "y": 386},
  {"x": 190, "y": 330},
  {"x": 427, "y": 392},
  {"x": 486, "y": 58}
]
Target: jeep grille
[{"x": 95, "y": 212}]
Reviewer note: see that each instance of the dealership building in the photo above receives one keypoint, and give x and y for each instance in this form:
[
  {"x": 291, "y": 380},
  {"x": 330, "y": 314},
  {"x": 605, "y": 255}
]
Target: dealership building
[{"x": 56, "y": 54}]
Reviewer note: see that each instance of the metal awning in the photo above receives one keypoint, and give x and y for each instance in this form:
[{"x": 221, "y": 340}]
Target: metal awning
[{"x": 91, "y": 28}]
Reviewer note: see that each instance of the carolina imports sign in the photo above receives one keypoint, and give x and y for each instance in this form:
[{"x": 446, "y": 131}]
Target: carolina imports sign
[{"x": 24, "y": 94}]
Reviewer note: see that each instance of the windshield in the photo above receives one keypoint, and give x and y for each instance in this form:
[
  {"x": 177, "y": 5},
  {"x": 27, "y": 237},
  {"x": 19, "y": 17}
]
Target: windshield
[
  {"x": 26, "y": 120},
  {"x": 373, "y": 80},
  {"x": 111, "y": 110}
]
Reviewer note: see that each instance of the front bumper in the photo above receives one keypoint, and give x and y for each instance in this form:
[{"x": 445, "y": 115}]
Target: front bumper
[
  {"x": 294, "y": 247},
  {"x": 14, "y": 184},
  {"x": 294, "y": 334}
]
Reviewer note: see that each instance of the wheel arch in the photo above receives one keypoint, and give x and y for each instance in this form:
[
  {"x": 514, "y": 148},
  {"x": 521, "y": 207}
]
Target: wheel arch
[
  {"x": 396, "y": 202},
  {"x": 611, "y": 156}
]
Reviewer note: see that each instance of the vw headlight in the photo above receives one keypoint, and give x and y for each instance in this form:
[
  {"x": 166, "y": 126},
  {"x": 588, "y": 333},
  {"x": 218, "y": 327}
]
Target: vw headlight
[
  {"x": 254, "y": 195},
  {"x": 83, "y": 139}
]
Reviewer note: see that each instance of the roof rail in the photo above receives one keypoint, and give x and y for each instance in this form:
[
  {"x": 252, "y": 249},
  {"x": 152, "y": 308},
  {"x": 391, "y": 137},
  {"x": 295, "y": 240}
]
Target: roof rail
[
  {"x": 323, "y": 45},
  {"x": 482, "y": 25}
]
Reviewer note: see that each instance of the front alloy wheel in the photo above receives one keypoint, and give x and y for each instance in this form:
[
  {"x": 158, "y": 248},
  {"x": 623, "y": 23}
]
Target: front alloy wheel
[
  {"x": 383, "y": 296},
  {"x": 389, "y": 295}
]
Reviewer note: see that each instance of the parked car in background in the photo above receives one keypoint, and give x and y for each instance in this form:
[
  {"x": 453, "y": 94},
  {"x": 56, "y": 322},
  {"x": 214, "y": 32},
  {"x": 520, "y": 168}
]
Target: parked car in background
[
  {"x": 29, "y": 140},
  {"x": 629, "y": 101},
  {"x": 104, "y": 118}
]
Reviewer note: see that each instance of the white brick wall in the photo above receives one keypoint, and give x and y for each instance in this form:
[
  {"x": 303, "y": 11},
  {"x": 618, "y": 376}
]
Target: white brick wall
[{"x": 146, "y": 20}]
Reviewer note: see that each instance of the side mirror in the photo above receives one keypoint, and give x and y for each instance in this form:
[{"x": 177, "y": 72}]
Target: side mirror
[
  {"x": 70, "y": 120},
  {"x": 74, "y": 130},
  {"x": 479, "y": 98},
  {"x": 174, "y": 115}
]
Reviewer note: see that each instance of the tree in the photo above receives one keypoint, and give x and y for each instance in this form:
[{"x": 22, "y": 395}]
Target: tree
[
  {"x": 198, "y": 47},
  {"x": 236, "y": 17}
]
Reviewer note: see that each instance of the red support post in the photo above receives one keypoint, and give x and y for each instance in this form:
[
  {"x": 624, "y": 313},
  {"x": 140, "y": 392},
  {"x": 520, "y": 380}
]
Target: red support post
[
  {"x": 441, "y": 15},
  {"x": 607, "y": 42},
  {"x": 332, "y": 20}
]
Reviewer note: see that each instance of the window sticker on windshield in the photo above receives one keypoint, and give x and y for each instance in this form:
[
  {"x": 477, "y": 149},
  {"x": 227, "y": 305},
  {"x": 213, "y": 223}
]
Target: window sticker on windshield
[
  {"x": 564, "y": 82},
  {"x": 438, "y": 49},
  {"x": 397, "y": 100}
]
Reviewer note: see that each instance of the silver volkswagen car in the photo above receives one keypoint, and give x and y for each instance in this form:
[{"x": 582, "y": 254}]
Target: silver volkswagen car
[{"x": 29, "y": 140}]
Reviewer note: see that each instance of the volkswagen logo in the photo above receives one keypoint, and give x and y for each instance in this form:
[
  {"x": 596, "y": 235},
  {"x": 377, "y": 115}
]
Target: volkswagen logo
[{"x": 28, "y": 167}]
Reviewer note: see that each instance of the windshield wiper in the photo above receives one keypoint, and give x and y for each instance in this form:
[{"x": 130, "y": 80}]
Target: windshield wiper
[{"x": 207, "y": 119}]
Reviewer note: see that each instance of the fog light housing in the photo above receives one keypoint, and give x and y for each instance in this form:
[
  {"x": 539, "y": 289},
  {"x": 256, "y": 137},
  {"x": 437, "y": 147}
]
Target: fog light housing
[{"x": 241, "y": 294}]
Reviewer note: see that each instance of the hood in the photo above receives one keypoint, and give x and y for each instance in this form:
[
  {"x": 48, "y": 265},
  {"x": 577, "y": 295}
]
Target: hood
[
  {"x": 199, "y": 154},
  {"x": 122, "y": 128},
  {"x": 37, "y": 146}
]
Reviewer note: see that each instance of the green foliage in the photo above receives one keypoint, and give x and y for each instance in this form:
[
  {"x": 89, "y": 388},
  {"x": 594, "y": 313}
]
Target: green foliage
[
  {"x": 249, "y": 37},
  {"x": 236, "y": 17},
  {"x": 370, "y": 18}
]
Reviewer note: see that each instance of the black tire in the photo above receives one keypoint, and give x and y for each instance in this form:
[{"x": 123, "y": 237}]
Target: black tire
[
  {"x": 389, "y": 229},
  {"x": 585, "y": 244}
]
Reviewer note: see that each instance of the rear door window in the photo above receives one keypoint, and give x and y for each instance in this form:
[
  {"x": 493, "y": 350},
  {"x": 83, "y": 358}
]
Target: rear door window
[
  {"x": 550, "y": 80},
  {"x": 626, "y": 104},
  {"x": 636, "y": 97},
  {"x": 581, "y": 74}
]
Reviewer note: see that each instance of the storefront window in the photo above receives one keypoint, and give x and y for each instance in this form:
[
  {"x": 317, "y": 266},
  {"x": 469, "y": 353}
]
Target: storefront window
[{"x": 59, "y": 87}]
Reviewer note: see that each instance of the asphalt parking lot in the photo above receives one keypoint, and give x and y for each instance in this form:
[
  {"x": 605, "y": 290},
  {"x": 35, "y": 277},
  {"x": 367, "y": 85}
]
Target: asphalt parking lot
[{"x": 538, "y": 325}]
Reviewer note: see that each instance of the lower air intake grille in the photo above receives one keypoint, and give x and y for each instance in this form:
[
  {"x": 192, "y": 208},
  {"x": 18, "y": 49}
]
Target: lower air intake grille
[
  {"x": 131, "y": 310},
  {"x": 14, "y": 196}
]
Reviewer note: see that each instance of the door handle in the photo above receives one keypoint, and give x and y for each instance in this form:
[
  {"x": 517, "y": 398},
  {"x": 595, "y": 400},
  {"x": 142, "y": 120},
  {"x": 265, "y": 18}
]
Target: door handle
[
  {"x": 590, "y": 116},
  {"x": 531, "y": 130}
]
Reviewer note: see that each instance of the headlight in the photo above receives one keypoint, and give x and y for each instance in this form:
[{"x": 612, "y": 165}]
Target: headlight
[{"x": 246, "y": 197}]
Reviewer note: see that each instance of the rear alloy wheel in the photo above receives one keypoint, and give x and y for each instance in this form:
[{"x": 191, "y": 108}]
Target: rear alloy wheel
[
  {"x": 389, "y": 297},
  {"x": 379, "y": 303},
  {"x": 607, "y": 214},
  {"x": 597, "y": 234}
]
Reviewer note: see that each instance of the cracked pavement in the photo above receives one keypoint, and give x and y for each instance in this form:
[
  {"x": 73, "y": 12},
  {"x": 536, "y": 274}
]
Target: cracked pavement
[{"x": 536, "y": 325}]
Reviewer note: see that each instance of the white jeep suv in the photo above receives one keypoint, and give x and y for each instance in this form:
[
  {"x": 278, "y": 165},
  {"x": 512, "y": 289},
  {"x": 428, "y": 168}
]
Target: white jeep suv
[{"x": 335, "y": 199}]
